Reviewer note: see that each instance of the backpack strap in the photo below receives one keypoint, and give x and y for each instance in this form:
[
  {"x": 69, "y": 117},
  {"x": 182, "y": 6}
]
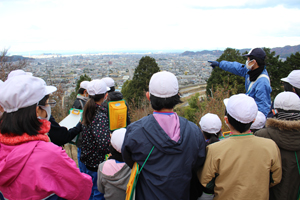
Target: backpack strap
[
  {"x": 252, "y": 82},
  {"x": 80, "y": 101}
]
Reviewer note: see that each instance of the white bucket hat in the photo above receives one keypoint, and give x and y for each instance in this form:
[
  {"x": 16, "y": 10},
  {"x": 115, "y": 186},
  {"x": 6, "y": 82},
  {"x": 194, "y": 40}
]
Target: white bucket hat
[
  {"x": 163, "y": 84},
  {"x": 22, "y": 91}
]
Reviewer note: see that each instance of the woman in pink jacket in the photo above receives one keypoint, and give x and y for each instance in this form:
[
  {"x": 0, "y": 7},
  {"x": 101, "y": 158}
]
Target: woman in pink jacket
[{"x": 31, "y": 167}]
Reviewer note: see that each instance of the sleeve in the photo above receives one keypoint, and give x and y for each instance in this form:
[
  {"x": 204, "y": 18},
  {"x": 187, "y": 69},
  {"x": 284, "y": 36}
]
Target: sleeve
[
  {"x": 210, "y": 170},
  {"x": 234, "y": 67},
  {"x": 62, "y": 177},
  {"x": 61, "y": 135},
  {"x": 201, "y": 150},
  {"x": 262, "y": 96},
  {"x": 99, "y": 178},
  {"x": 276, "y": 169},
  {"x": 126, "y": 148},
  {"x": 262, "y": 133}
]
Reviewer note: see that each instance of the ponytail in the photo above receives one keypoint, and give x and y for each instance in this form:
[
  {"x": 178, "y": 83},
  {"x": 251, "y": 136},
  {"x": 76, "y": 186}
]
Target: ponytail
[{"x": 89, "y": 110}]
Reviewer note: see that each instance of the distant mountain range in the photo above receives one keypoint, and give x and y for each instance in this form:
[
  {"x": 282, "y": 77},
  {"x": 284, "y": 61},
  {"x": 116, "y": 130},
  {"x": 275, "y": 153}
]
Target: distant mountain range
[
  {"x": 283, "y": 52},
  {"x": 14, "y": 58}
]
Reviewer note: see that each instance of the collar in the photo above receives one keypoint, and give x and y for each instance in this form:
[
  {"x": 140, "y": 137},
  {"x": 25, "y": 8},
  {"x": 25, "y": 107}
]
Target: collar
[
  {"x": 163, "y": 113},
  {"x": 241, "y": 135},
  {"x": 10, "y": 139}
]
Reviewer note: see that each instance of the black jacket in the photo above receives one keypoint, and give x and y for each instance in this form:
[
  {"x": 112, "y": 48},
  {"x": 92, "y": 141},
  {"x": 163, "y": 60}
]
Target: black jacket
[
  {"x": 61, "y": 135},
  {"x": 79, "y": 102}
]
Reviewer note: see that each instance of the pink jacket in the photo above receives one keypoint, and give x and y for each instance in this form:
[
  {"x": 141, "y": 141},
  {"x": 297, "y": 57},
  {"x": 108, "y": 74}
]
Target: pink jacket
[{"x": 38, "y": 169}]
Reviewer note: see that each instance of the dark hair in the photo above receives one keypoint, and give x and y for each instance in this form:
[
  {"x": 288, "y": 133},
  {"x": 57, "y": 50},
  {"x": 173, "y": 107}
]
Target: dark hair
[
  {"x": 289, "y": 88},
  {"x": 260, "y": 62},
  {"x": 81, "y": 90},
  {"x": 89, "y": 110},
  {"x": 240, "y": 127},
  {"x": 43, "y": 101},
  {"x": 22, "y": 121},
  {"x": 212, "y": 137},
  {"x": 158, "y": 103},
  {"x": 112, "y": 89}
]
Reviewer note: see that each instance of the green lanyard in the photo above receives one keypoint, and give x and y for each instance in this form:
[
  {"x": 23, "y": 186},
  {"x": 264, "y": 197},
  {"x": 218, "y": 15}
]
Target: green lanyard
[
  {"x": 298, "y": 195},
  {"x": 241, "y": 135}
]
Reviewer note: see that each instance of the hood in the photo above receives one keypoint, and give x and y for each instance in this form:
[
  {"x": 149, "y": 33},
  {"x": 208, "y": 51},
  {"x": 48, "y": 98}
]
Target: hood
[
  {"x": 119, "y": 179},
  {"x": 159, "y": 138},
  {"x": 12, "y": 160},
  {"x": 285, "y": 133},
  {"x": 115, "y": 96}
]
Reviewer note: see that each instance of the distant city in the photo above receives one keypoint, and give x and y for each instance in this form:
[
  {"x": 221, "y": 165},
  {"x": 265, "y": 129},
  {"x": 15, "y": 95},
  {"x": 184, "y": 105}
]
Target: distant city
[{"x": 65, "y": 70}]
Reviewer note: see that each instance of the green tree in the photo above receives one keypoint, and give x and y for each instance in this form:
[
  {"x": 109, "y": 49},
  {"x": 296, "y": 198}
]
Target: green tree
[
  {"x": 218, "y": 76},
  {"x": 276, "y": 70},
  {"x": 134, "y": 90}
]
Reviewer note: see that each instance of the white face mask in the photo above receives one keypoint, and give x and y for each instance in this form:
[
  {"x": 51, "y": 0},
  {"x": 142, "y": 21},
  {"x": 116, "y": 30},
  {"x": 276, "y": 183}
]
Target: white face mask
[
  {"x": 48, "y": 111},
  {"x": 247, "y": 64}
]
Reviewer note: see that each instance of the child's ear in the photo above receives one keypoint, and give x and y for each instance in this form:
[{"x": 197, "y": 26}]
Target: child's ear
[{"x": 148, "y": 95}]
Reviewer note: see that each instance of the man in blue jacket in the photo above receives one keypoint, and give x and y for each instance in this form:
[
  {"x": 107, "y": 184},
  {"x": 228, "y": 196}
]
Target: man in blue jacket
[
  {"x": 179, "y": 145},
  {"x": 257, "y": 81}
]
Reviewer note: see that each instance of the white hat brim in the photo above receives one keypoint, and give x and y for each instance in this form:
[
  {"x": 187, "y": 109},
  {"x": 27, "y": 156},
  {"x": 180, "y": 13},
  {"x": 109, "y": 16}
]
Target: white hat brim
[{"x": 50, "y": 89}]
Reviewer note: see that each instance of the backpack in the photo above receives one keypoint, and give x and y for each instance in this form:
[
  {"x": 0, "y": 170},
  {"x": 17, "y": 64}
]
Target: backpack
[{"x": 117, "y": 114}]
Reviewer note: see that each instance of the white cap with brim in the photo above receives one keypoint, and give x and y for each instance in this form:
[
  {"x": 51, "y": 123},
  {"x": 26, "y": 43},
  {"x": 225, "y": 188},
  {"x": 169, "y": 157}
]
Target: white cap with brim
[
  {"x": 287, "y": 101},
  {"x": 117, "y": 139},
  {"x": 22, "y": 91},
  {"x": 109, "y": 81},
  {"x": 293, "y": 78},
  {"x": 84, "y": 84},
  {"x": 97, "y": 87},
  {"x": 210, "y": 123},
  {"x": 18, "y": 72},
  {"x": 163, "y": 84},
  {"x": 241, "y": 107},
  {"x": 259, "y": 122}
]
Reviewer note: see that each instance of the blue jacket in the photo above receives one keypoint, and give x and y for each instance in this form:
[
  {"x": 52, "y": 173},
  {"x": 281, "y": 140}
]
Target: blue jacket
[
  {"x": 260, "y": 90},
  {"x": 168, "y": 171}
]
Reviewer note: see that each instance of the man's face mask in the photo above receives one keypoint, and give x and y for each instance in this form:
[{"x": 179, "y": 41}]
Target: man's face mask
[{"x": 247, "y": 64}]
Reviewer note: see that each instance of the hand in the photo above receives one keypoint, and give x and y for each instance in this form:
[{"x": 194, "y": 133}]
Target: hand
[{"x": 213, "y": 64}]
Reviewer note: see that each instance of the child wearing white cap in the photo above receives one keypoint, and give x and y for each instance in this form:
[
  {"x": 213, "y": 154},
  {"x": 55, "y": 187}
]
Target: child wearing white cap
[
  {"x": 31, "y": 167},
  {"x": 259, "y": 122},
  {"x": 113, "y": 174},
  {"x": 292, "y": 82},
  {"x": 243, "y": 166},
  {"x": 284, "y": 129},
  {"x": 82, "y": 96},
  {"x": 177, "y": 145},
  {"x": 211, "y": 127},
  {"x": 95, "y": 132}
]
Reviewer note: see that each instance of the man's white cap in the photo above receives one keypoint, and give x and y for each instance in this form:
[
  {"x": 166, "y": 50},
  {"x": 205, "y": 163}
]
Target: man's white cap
[
  {"x": 241, "y": 107},
  {"x": 210, "y": 123},
  {"x": 84, "y": 84},
  {"x": 163, "y": 84},
  {"x": 18, "y": 72},
  {"x": 22, "y": 91},
  {"x": 117, "y": 139},
  {"x": 259, "y": 122},
  {"x": 293, "y": 78},
  {"x": 109, "y": 81},
  {"x": 97, "y": 87},
  {"x": 287, "y": 101}
]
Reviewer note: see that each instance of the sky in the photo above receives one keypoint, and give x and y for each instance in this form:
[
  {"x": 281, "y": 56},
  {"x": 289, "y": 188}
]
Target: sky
[{"x": 58, "y": 26}]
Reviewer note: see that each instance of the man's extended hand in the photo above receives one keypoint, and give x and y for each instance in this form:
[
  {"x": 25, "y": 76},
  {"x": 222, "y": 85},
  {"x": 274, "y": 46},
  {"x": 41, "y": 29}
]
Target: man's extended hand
[{"x": 213, "y": 64}]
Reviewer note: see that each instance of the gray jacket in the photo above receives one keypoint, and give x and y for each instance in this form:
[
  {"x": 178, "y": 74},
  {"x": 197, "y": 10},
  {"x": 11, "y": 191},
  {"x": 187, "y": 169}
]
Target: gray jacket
[{"x": 114, "y": 187}]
